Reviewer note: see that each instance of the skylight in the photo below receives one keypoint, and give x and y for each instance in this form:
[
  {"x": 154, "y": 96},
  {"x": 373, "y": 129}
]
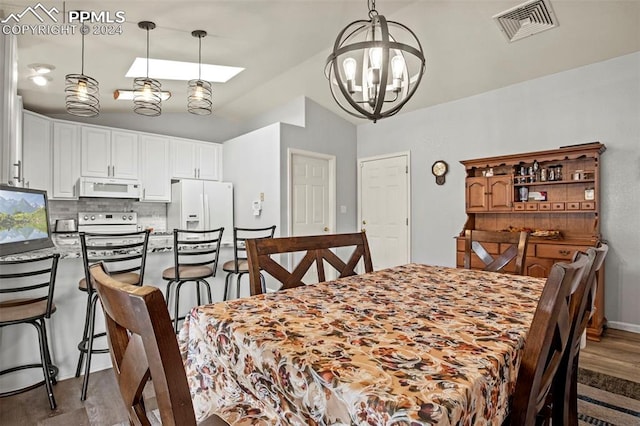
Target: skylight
[{"x": 175, "y": 70}]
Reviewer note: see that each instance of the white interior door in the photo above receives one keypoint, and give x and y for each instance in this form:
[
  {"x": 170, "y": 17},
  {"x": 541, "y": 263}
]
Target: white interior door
[
  {"x": 384, "y": 208},
  {"x": 312, "y": 202}
]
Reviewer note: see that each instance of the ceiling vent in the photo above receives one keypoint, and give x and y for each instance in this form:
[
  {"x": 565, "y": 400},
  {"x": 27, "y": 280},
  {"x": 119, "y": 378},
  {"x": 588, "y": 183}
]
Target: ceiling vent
[{"x": 526, "y": 19}]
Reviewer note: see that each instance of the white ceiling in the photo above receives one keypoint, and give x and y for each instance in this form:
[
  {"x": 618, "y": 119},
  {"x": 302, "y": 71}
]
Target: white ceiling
[{"x": 284, "y": 44}]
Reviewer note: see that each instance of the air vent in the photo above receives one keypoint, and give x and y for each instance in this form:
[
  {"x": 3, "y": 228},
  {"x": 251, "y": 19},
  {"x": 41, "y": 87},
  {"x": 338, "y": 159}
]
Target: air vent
[{"x": 526, "y": 19}]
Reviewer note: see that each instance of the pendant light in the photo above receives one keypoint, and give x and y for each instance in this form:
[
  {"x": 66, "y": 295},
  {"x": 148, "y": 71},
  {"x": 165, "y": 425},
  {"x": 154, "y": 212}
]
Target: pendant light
[
  {"x": 199, "y": 100},
  {"x": 147, "y": 99},
  {"x": 81, "y": 91},
  {"x": 375, "y": 67}
]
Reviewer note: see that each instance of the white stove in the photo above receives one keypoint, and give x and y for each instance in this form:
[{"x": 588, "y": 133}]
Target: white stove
[{"x": 107, "y": 222}]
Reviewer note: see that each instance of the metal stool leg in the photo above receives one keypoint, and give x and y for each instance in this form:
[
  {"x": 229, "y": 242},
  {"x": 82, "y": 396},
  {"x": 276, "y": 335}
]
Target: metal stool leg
[
  {"x": 208, "y": 287},
  {"x": 89, "y": 347},
  {"x": 84, "y": 334},
  {"x": 177, "y": 304},
  {"x": 46, "y": 369},
  {"x": 226, "y": 286}
]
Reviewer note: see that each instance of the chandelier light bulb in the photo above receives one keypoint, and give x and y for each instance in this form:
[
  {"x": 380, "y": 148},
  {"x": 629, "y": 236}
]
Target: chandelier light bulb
[
  {"x": 350, "y": 66},
  {"x": 198, "y": 94},
  {"x": 375, "y": 56},
  {"x": 397, "y": 66},
  {"x": 83, "y": 95}
]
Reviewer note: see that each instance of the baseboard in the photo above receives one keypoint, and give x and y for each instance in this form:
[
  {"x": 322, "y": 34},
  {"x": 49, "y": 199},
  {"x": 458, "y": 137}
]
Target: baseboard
[{"x": 624, "y": 326}]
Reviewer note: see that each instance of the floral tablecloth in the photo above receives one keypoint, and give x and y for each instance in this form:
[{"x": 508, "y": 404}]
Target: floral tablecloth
[{"x": 409, "y": 345}]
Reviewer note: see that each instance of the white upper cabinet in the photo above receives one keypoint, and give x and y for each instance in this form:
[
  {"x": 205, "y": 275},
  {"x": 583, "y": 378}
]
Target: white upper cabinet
[
  {"x": 155, "y": 172},
  {"x": 109, "y": 153},
  {"x": 36, "y": 151},
  {"x": 66, "y": 160},
  {"x": 196, "y": 160}
]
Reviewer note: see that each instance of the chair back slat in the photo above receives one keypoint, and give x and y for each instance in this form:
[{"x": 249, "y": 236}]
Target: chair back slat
[
  {"x": 547, "y": 340},
  {"x": 316, "y": 251},
  {"x": 516, "y": 249}
]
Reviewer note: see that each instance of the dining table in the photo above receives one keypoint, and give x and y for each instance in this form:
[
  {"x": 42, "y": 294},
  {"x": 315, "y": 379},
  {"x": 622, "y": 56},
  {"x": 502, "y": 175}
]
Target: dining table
[{"x": 409, "y": 345}]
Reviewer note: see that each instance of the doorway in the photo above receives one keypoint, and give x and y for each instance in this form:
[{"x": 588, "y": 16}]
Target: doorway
[
  {"x": 312, "y": 195},
  {"x": 384, "y": 207}
]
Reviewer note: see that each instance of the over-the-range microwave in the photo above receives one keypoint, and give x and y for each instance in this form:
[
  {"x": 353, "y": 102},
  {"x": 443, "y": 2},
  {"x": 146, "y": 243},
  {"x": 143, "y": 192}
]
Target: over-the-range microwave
[{"x": 109, "y": 188}]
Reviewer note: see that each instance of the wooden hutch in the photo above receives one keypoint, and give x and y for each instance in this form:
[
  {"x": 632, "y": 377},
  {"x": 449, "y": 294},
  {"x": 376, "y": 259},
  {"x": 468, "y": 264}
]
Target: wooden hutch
[{"x": 554, "y": 194}]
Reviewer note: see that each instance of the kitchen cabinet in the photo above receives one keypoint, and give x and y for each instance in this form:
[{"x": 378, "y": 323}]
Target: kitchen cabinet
[
  {"x": 489, "y": 194},
  {"x": 155, "y": 173},
  {"x": 554, "y": 194},
  {"x": 109, "y": 153},
  {"x": 36, "y": 151},
  {"x": 66, "y": 160},
  {"x": 196, "y": 160}
]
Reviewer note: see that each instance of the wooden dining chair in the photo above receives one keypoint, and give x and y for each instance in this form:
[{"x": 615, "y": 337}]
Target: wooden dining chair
[
  {"x": 565, "y": 401},
  {"x": 317, "y": 251},
  {"x": 511, "y": 246},
  {"x": 546, "y": 343},
  {"x": 143, "y": 346}
]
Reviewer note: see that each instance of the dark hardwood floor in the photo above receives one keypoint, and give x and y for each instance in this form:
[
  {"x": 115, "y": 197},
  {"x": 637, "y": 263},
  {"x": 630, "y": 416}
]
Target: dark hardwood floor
[{"x": 618, "y": 354}]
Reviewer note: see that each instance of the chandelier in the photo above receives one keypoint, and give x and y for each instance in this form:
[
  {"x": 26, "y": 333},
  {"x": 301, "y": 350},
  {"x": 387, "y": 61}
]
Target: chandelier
[
  {"x": 81, "y": 91},
  {"x": 199, "y": 99},
  {"x": 147, "y": 99},
  {"x": 375, "y": 67}
]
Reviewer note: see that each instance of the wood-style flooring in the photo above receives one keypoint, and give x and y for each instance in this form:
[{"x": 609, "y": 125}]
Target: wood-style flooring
[{"x": 618, "y": 354}]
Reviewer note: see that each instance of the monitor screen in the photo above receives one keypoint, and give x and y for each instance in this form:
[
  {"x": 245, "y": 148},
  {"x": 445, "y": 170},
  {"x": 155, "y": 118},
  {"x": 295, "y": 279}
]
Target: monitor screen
[{"x": 24, "y": 220}]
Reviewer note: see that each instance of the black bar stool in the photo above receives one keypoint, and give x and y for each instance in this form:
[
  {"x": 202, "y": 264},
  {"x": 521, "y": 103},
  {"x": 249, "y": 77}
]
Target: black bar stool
[
  {"x": 239, "y": 265},
  {"x": 31, "y": 303},
  {"x": 195, "y": 255},
  {"x": 125, "y": 255}
]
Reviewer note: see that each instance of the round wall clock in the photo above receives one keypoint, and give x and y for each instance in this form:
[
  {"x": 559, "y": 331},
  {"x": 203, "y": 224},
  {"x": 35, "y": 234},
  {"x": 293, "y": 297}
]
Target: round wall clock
[{"x": 439, "y": 169}]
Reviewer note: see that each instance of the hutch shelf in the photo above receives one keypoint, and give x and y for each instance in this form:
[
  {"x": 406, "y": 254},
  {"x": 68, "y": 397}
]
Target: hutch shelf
[{"x": 553, "y": 194}]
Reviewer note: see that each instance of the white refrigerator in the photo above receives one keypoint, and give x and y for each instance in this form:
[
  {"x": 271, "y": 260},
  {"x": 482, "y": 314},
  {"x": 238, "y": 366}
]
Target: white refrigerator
[{"x": 201, "y": 204}]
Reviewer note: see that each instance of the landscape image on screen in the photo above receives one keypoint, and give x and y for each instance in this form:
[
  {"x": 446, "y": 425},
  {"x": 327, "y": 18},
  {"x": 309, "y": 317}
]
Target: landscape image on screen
[{"x": 23, "y": 216}]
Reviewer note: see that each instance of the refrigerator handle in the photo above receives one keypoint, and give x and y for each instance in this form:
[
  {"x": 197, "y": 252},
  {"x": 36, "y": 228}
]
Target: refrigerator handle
[{"x": 206, "y": 212}]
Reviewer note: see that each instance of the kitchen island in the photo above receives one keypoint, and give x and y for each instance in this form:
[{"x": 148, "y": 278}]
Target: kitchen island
[{"x": 18, "y": 344}]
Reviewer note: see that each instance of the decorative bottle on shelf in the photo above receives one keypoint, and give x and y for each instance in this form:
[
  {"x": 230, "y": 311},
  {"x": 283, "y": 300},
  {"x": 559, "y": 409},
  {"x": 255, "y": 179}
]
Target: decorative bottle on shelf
[
  {"x": 543, "y": 175},
  {"x": 559, "y": 173},
  {"x": 536, "y": 171}
]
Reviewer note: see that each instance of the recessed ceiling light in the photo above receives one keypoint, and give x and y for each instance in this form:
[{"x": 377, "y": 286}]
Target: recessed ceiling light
[
  {"x": 41, "y": 68},
  {"x": 127, "y": 95},
  {"x": 176, "y": 70},
  {"x": 40, "y": 80}
]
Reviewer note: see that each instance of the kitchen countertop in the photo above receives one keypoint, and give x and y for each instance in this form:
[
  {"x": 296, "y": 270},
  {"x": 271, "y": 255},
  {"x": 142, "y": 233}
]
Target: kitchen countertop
[{"x": 68, "y": 247}]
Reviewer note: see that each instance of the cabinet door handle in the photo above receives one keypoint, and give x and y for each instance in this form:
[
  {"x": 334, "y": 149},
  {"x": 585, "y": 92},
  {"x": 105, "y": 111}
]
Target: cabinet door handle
[
  {"x": 195, "y": 172},
  {"x": 565, "y": 252},
  {"x": 198, "y": 173}
]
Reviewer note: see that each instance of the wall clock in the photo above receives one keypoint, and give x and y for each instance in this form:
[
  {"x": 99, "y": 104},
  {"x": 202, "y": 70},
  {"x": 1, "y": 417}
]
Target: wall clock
[{"x": 439, "y": 169}]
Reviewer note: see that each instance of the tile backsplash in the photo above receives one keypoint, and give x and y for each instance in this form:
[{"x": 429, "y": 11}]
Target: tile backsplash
[{"x": 150, "y": 215}]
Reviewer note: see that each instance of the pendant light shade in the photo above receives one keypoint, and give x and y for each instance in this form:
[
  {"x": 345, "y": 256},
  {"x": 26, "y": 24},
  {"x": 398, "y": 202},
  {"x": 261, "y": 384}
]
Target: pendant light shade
[
  {"x": 200, "y": 94},
  {"x": 82, "y": 97},
  {"x": 375, "y": 67},
  {"x": 147, "y": 96}
]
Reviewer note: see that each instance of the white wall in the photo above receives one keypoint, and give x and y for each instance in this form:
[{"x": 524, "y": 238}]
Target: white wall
[
  {"x": 252, "y": 164},
  {"x": 598, "y": 102},
  {"x": 326, "y": 133}
]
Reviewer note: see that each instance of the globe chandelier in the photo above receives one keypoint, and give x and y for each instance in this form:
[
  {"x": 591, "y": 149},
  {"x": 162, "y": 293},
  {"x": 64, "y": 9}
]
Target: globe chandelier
[{"x": 375, "y": 67}]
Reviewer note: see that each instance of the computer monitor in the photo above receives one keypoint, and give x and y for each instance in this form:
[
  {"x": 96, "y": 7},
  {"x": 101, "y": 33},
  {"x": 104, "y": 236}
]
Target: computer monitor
[{"x": 24, "y": 220}]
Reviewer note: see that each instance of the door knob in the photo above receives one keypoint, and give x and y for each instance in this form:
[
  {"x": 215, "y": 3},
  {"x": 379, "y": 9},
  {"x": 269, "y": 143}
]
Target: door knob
[
  {"x": 326, "y": 229},
  {"x": 364, "y": 222}
]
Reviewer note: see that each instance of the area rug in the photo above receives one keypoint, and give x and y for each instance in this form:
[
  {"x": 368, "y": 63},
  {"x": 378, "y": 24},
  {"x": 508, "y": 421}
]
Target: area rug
[
  {"x": 606, "y": 400},
  {"x": 602, "y": 401}
]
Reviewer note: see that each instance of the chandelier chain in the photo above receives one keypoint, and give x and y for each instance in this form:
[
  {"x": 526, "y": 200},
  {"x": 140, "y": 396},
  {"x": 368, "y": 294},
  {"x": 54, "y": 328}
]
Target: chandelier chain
[
  {"x": 147, "y": 52},
  {"x": 82, "y": 60},
  {"x": 372, "y": 8}
]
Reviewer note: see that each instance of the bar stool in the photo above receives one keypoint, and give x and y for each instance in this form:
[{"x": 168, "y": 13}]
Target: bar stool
[
  {"x": 195, "y": 255},
  {"x": 239, "y": 265},
  {"x": 31, "y": 303},
  {"x": 125, "y": 255}
]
